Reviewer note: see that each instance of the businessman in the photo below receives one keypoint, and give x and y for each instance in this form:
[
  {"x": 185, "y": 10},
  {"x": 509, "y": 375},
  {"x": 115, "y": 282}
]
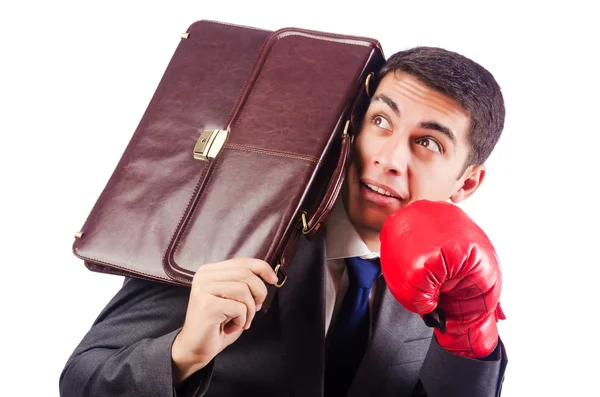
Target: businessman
[{"x": 399, "y": 296}]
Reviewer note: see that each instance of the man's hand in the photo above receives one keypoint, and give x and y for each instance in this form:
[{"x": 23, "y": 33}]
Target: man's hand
[
  {"x": 434, "y": 257},
  {"x": 224, "y": 299}
]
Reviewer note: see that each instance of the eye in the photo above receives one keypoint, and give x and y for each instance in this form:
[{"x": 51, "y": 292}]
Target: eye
[
  {"x": 381, "y": 122},
  {"x": 430, "y": 144}
]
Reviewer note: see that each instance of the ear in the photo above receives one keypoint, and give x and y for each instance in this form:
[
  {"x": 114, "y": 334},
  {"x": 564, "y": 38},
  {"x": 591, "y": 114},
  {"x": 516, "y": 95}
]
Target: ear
[{"x": 469, "y": 182}]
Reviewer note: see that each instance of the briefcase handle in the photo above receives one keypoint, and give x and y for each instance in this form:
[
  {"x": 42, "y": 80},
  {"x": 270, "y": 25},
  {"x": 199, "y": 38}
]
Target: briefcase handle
[{"x": 313, "y": 225}]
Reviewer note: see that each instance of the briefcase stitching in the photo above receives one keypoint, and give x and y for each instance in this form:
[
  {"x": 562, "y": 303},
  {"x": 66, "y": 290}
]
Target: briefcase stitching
[
  {"x": 245, "y": 92},
  {"x": 271, "y": 152}
]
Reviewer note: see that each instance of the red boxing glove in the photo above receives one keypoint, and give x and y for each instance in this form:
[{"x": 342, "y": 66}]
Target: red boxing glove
[{"x": 434, "y": 258}]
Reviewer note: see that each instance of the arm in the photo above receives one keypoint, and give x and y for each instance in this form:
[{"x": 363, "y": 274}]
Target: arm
[
  {"x": 127, "y": 351},
  {"x": 138, "y": 346},
  {"x": 446, "y": 374},
  {"x": 439, "y": 264}
]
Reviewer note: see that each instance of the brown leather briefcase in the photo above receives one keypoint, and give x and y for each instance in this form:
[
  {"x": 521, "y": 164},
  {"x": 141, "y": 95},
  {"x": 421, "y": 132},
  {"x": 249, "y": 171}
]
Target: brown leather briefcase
[{"x": 242, "y": 150}]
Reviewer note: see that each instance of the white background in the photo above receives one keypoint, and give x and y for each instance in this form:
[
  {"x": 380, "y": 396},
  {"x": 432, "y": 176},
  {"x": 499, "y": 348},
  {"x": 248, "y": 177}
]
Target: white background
[{"x": 76, "y": 77}]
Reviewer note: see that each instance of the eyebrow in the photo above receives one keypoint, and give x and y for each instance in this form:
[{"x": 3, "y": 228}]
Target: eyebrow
[
  {"x": 388, "y": 101},
  {"x": 431, "y": 125},
  {"x": 438, "y": 127}
]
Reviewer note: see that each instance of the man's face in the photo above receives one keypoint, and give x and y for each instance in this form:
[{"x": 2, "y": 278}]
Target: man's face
[{"x": 412, "y": 145}]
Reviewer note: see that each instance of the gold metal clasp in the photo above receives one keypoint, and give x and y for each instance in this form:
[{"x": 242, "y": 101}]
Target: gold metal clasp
[
  {"x": 304, "y": 223},
  {"x": 367, "y": 81},
  {"x": 210, "y": 144},
  {"x": 346, "y": 127},
  {"x": 185, "y": 35},
  {"x": 78, "y": 234},
  {"x": 279, "y": 284}
]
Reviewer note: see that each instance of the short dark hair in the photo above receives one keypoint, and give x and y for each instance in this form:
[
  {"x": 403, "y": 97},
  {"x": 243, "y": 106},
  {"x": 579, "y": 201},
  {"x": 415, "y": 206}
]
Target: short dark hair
[{"x": 465, "y": 81}]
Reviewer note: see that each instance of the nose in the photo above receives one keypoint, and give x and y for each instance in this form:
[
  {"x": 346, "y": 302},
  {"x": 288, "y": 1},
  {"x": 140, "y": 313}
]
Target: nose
[{"x": 393, "y": 157}]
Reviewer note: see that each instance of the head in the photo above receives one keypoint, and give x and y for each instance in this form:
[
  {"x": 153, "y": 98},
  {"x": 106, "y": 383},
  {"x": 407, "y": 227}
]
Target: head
[{"x": 432, "y": 122}]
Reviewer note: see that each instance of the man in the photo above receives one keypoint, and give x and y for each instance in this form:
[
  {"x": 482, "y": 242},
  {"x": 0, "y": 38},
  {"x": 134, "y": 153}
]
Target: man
[{"x": 433, "y": 120}]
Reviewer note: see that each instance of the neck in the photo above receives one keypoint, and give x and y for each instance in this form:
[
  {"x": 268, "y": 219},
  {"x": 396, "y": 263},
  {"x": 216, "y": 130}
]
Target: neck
[{"x": 370, "y": 238}]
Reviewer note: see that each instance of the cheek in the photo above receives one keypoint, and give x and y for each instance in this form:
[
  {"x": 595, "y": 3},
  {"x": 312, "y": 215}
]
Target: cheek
[
  {"x": 365, "y": 148},
  {"x": 350, "y": 188},
  {"x": 430, "y": 183}
]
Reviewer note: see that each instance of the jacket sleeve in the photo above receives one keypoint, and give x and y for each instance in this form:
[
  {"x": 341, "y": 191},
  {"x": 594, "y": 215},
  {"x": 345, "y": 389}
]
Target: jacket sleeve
[
  {"x": 127, "y": 351},
  {"x": 446, "y": 374}
]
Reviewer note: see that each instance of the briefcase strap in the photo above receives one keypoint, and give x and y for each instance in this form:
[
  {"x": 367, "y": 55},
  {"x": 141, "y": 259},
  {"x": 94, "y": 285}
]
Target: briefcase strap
[{"x": 313, "y": 225}]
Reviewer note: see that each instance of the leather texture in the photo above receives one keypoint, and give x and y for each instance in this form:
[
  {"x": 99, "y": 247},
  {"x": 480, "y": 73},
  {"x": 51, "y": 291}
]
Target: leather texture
[
  {"x": 285, "y": 96},
  {"x": 434, "y": 257}
]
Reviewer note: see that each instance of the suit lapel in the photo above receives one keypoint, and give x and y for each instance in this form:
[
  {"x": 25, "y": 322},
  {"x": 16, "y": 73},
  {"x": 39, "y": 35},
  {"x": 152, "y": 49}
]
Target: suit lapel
[
  {"x": 301, "y": 303},
  {"x": 301, "y": 307},
  {"x": 392, "y": 325}
]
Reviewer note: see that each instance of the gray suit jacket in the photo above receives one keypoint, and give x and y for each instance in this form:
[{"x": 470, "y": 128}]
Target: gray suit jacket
[{"x": 127, "y": 350}]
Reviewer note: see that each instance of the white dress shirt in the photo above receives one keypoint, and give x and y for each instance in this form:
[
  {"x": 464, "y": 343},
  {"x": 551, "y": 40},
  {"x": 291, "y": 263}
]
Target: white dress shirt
[{"x": 342, "y": 241}]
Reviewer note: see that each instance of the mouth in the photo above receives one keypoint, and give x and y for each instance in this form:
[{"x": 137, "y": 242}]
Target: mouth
[{"x": 382, "y": 190}]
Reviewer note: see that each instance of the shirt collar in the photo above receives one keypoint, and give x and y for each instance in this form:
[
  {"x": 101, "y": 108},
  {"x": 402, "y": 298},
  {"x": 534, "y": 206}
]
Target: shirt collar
[{"x": 342, "y": 239}]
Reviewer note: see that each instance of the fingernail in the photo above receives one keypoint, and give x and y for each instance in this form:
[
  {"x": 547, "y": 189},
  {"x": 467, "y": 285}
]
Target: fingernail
[{"x": 258, "y": 307}]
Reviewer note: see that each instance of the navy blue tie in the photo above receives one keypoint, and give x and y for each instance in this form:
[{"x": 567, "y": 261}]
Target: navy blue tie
[{"x": 350, "y": 333}]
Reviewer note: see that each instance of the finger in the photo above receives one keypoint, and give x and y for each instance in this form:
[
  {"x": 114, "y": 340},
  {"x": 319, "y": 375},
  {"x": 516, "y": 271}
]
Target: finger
[
  {"x": 233, "y": 312},
  {"x": 237, "y": 291},
  {"x": 256, "y": 285},
  {"x": 257, "y": 266}
]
